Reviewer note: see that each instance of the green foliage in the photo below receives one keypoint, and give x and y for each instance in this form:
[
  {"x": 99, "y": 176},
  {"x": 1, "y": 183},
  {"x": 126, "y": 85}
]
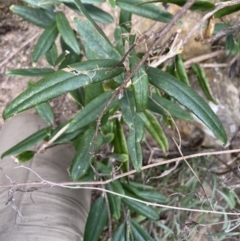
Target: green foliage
[{"x": 146, "y": 103}]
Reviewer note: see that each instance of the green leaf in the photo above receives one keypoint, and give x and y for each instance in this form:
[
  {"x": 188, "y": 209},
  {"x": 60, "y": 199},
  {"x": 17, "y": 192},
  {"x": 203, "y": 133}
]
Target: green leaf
[
  {"x": 112, "y": 3},
  {"x": 148, "y": 195},
  {"x": 45, "y": 42},
  {"x": 115, "y": 201},
  {"x": 181, "y": 70},
  {"x": 231, "y": 45},
  {"x": 45, "y": 111},
  {"x": 96, "y": 221},
  {"x": 91, "y": 112},
  {"x": 62, "y": 81},
  {"x": 200, "y": 5},
  {"x": 119, "y": 235},
  {"x": 66, "y": 32},
  {"x": 66, "y": 137},
  {"x": 136, "y": 130},
  {"x": 120, "y": 144},
  {"x": 135, "y": 151},
  {"x": 228, "y": 197},
  {"x": 98, "y": 14},
  {"x": 32, "y": 72},
  {"x": 46, "y": 4},
  {"x": 154, "y": 128},
  {"x": 139, "y": 233},
  {"x": 52, "y": 55},
  {"x": 84, "y": 1},
  {"x": 202, "y": 79},
  {"x": 95, "y": 41},
  {"x": 125, "y": 21},
  {"x": 165, "y": 107},
  {"x": 140, "y": 208},
  {"x": 27, "y": 143},
  {"x": 36, "y": 16},
  {"x": 147, "y": 10},
  {"x": 140, "y": 86},
  {"x": 92, "y": 91},
  {"x": 189, "y": 98},
  {"x": 94, "y": 37},
  {"x": 227, "y": 10},
  {"x": 25, "y": 156},
  {"x": 82, "y": 158}
]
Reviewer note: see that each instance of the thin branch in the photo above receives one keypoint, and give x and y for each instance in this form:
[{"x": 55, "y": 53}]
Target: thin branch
[
  {"x": 194, "y": 173},
  {"x": 222, "y": 33},
  {"x": 155, "y": 164},
  {"x": 201, "y": 58},
  {"x": 219, "y": 6}
]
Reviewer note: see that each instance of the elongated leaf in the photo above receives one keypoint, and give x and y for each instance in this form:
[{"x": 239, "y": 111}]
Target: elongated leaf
[
  {"x": 96, "y": 221},
  {"x": 45, "y": 111},
  {"x": 45, "y": 42},
  {"x": 90, "y": 113},
  {"x": 136, "y": 130},
  {"x": 125, "y": 21},
  {"x": 227, "y": 10},
  {"x": 115, "y": 201},
  {"x": 95, "y": 41},
  {"x": 63, "y": 81},
  {"x": 140, "y": 86},
  {"x": 92, "y": 91},
  {"x": 27, "y": 143},
  {"x": 139, "y": 233},
  {"x": 189, "y": 98},
  {"x": 201, "y": 5},
  {"x": 66, "y": 32},
  {"x": 25, "y": 156},
  {"x": 148, "y": 195},
  {"x": 82, "y": 158},
  {"x": 94, "y": 37},
  {"x": 96, "y": 13},
  {"x": 181, "y": 70},
  {"x": 35, "y": 16},
  {"x": 32, "y": 72},
  {"x": 119, "y": 235},
  {"x": 202, "y": 79},
  {"x": 147, "y": 10},
  {"x": 140, "y": 208},
  {"x": 163, "y": 106},
  {"x": 84, "y": 1},
  {"x": 46, "y": 4},
  {"x": 154, "y": 128},
  {"x": 120, "y": 144},
  {"x": 52, "y": 55}
]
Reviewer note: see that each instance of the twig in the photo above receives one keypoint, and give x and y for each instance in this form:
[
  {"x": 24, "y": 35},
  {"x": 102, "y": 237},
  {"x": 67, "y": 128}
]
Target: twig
[
  {"x": 157, "y": 163},
  {"x": 24, "y": 45},
  {"x": 222, "y": 34},
  {"x": 201, "y": 58},
  {"x": 194, "y": 173},
  {"x": 214, "y": 65},
  {"x": 219, "y": 6}
]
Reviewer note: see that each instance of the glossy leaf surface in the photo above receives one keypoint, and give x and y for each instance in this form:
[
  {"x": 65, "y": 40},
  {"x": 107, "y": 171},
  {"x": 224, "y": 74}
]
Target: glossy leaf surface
[
  {"x": 62, "y": 81},
  {"x": 66, "y": 32},
  {"x": 188, "y": 98},
  {"x": 32, "y": 72},
  {"x": 147, "y": 10},
  {"x": 97, "y": 219}
]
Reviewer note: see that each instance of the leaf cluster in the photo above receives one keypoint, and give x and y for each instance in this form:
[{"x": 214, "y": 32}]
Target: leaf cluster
[{"x": 89, "y": 67}]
